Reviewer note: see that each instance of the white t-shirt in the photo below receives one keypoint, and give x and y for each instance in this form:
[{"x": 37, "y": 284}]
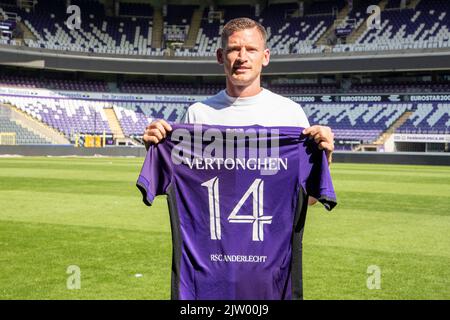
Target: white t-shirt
[{"x": 265, "y": 109}]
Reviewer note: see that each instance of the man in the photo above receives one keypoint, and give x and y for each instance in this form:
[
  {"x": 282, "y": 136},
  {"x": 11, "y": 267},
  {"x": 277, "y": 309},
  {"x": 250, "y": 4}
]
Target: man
[
  {"x": 244, "y": 102},
  {"x": 208, "y": 231}
]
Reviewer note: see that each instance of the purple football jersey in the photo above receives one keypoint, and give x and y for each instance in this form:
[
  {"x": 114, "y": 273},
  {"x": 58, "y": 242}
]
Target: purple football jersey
[{"x": 237, "y": 199}]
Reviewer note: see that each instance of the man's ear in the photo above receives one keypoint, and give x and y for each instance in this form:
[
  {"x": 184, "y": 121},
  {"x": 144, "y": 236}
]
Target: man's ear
[
  {"x": 219, "y": 55},
  {"x": 266, "y": 57}
]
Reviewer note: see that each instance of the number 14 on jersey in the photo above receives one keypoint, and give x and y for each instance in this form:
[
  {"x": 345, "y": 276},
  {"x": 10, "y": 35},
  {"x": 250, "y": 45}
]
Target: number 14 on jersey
[{"x": 256, "y": 219}]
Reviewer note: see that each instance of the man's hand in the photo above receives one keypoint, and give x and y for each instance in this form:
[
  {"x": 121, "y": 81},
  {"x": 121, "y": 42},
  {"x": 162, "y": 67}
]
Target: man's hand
[
  {"x": 324, "y": 137},
  {"x": 155, "y": 132}
]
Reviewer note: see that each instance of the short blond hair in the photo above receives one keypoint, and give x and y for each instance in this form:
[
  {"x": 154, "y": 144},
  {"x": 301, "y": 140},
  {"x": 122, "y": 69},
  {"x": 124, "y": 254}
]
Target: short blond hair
[{"x": 239, "y": 24}]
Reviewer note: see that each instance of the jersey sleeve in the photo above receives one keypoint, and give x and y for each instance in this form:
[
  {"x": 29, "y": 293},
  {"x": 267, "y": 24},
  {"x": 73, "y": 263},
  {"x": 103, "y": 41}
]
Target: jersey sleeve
[
  {"x": 315, "y": 176},
  {"x": 156, "y": 173}
]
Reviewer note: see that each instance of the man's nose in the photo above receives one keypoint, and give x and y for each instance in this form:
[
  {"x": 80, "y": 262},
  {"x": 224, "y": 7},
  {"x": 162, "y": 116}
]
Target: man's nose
[{"x": 242, "y": 54}]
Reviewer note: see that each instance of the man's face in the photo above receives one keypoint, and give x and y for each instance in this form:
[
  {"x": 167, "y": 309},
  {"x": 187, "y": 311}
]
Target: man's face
[{"x": 244, "y": 56}]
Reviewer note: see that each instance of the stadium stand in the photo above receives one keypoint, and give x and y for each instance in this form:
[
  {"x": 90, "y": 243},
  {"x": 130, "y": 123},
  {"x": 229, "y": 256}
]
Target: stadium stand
[
  {"x": 135, "y": 116},
  {"x": 428, "y": 118},
  {"x": 131, "y": 121},
  {"x": 177, "y": 22},
  {"x": 394, "y": 4},
  {"x": 49, "y": 83},
  {"x": 7, "y": 26},
  {"x": 131, "y": 31},
  {"x": 135, "y": 9},
  {"x": 426, "y": 26},
  {"x": 294, "y": 89},
  {"x": 350, "y": 121},
  {"x": 289, "y": 31},
  {"x": 72, "y": 116},
  {"x": 324, "y": 7},
  {"x": 190, "y": 88},
  {"x": 98, "y": 33},
  {"x": 21, "y": 135},
  {"x": 170, "y": 88},
  {"x": 405, "y": 87},
  {"x": 363, "y": 122},
  {"x": 356, "y": 15},
  {"x": 210, "y": 89},
  {"x": 67, "y": 116}
]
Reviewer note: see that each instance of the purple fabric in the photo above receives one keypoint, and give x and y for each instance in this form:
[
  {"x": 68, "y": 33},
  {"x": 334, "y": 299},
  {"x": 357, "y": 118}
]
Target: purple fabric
[{"x": 198, "y": 208}]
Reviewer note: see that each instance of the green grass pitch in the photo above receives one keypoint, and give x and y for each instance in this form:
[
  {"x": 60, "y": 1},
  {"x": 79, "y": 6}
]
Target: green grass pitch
[{"x": 58, "y": 212}]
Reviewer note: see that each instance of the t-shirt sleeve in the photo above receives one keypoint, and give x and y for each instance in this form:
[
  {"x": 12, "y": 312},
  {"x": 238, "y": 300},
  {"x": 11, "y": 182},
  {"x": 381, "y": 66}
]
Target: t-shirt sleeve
[
  {"x": 156, "y": 173},
  {"x": 315, "y": 175}
]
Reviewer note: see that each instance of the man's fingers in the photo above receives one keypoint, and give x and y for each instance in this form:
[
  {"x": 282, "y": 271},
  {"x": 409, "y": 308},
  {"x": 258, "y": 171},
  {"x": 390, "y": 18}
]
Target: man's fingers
[
  {"x": 153, "y": 140},
  {"x": 160, "y": 128},
  {"x": 160, "y": 123},
  {"x": 321, "y": 145},
  {"x": 320, "y": 133},
  {"x": 318, "y": 138},
  {"x": 166, "y": 125},
  {"x": 329, "y": 157},
  {"x": 326, "y": 146},
  {"x": 311, "y": 130},
  {"x": 147, "y": 130},
  {"x": 317, "y": 130},
  {"x": 150, "y": 139},
  {"x": 157, "y": 133}
]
